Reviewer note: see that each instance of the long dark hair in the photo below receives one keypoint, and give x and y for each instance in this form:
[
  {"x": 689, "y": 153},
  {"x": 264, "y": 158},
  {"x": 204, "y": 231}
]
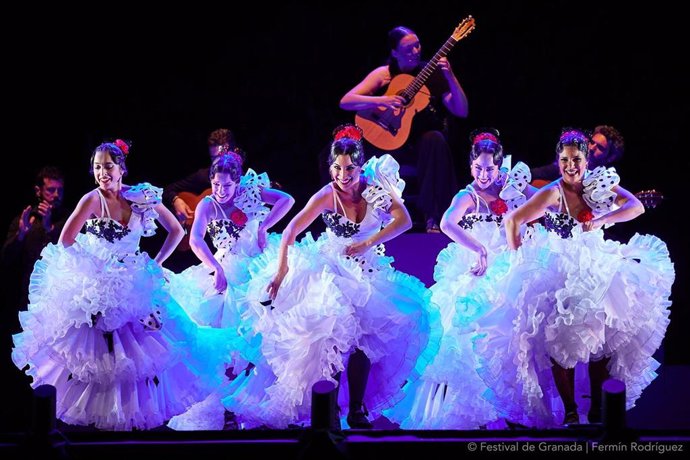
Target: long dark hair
[{"x": 394, "y": 36}]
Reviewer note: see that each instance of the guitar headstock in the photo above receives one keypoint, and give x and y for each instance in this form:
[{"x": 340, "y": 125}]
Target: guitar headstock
[
  {"x": 464, "y": 28},
  {"x": 650, "y": 198}
]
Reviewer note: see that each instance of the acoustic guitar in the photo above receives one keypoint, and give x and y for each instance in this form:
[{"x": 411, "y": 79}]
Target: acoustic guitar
[
  {"x": 388, "y": 129},
  {"x": 192, "y": 201}
]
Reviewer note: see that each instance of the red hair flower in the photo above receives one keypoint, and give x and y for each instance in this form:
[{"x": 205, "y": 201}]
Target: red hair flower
[
  {"x": 238, "y": 217},
  {"x": 585, "y": 215},
  {"x": 498, "y": 207},
  {"x": 351, "y": 131},
  {"x": 122, "y": 145},
  {"x": 484, "y": 137}
]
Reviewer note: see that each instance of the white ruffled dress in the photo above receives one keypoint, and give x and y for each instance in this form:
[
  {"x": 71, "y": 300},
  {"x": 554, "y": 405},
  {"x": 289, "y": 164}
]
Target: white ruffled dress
[
  {"x": 576, "y": 297},
  {"x": 330, "y": 304},
  {"x": 235, "y": 240},
  {"x": 101, "y": 328},
  {"x": 450, "y": 394}
]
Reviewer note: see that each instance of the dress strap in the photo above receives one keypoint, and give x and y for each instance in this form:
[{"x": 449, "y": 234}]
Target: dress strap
[
  {"x": 217, "y": 206},
  {"x": 105, "y": 212},
  {"x": 477, "y": 199},
  {"x": 337, "y": 202},
  {"x": 564, "y": 203}
]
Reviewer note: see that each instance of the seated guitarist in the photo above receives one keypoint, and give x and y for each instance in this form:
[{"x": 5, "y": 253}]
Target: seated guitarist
[{"x": 426, "y": 152}]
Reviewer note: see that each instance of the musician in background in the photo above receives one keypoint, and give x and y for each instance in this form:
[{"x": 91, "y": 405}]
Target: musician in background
[
  {"x": 426, "y": 152},
  {"x": 606, "y": 147},
  {"x": 29, "y": 232}
]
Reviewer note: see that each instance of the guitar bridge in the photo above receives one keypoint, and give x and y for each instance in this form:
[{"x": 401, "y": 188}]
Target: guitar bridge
[{"x": 379, "y": 120}]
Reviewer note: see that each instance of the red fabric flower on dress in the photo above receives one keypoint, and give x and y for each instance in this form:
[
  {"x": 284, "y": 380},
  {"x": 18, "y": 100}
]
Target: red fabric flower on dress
[
  {"x": 585, "y": 215},
  {"x": 498, "y": 207},
  {"x": 122, "y": 145},
  {"x": 351, "y": 131},
  {"x": 238, "y": 217}
]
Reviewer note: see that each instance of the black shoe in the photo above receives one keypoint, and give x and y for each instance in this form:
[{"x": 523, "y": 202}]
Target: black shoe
[
  {"x": 515, "y": 425},
  {"x": 230, "y": 422},
  {"x": 571, "y": 418},
  {"x": 357, "y": 419},
  {"x": 594, "y": 416}
]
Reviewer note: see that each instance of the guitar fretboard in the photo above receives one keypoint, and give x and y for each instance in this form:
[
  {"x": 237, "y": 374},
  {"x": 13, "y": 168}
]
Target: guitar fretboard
[{"x": 412, "y": 89}]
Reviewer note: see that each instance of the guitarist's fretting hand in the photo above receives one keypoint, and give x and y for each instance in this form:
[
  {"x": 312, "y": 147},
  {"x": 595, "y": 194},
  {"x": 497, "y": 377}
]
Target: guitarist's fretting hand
[{"x": 444, "y": 65}]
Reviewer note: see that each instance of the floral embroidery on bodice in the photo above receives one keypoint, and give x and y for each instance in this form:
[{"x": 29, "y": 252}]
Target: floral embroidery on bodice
[
  {"x": 468, "y": 220},
  {"x": 340, "y": 225},
  {"x": 142, "y": 198},
  {"x": 225, "y": 230},
  {"x": 383, "y": 180},
  {"x": 107, "y": 229},
  {"x": 596, "y": 194},
  {"x": 560, "y": 223}
]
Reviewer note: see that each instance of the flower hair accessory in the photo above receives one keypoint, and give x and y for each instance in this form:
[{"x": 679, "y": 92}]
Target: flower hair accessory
[
  {"x": 233, "y": 153},
  {"x": 354, "y": 132},
  {"x": 484, "y": 137},
  {"x": 122, "y": 145},
  {"x": 573, "y": 135}
]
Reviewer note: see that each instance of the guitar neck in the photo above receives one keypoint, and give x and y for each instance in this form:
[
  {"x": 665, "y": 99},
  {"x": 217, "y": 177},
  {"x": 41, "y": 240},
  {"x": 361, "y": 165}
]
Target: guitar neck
[{"x": 428, "y": 69}]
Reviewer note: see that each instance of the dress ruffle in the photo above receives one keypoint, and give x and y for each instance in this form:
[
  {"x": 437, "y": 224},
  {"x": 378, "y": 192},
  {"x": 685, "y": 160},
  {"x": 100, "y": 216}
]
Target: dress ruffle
[
  {"x": 248, "y": 198},
  {"x": 328, "y": 306},
  {"x": 574, "y": 300},
  {"x": 87, "y": 332},
  {"x": 516, "y": 181}
]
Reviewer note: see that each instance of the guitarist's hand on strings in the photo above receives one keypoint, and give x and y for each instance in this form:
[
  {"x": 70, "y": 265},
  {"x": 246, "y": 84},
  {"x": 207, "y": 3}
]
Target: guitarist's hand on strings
[
  {"x": 391, "y": 102},
  {"x": 182, "y": 210}
]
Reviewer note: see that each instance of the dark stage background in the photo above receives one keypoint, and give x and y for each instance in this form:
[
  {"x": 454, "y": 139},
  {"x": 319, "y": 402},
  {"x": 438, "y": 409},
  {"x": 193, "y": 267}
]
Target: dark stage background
[{"x": 275, "y": 76}]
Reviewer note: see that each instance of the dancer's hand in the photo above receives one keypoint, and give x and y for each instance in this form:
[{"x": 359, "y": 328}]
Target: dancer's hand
[
  {"x": 274, "y": 285},
  {"x": 261, "y": 238},
  {"x": 479, "y": 268},
  {"x": 357, "y": 249},
  {"x": 220, "y": 283},
  {"x": 593, "y": 224}
]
